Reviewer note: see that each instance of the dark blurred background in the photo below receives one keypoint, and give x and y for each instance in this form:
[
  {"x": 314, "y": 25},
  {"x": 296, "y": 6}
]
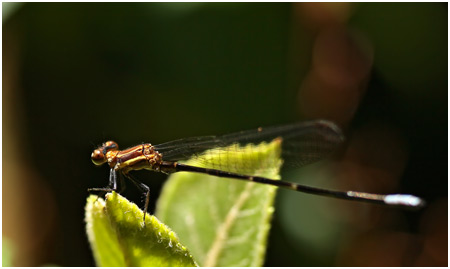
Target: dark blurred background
[{"x": 77, "y": 74}]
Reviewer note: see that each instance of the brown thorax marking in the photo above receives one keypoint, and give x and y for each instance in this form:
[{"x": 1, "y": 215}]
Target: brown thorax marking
[{"x": 139, "y": 157}]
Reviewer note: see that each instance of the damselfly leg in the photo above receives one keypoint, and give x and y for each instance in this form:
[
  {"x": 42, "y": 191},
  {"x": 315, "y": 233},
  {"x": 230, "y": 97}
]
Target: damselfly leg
[{"x": 144, "y": 189}]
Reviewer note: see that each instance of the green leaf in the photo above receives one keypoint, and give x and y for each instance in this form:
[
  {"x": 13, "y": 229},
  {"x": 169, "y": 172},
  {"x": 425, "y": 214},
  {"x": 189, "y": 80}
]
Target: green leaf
[
  {"x": 8, "y": 9},
  {"x": 224, "y": 222},
  {"x": 7, "y": 252},
  {"x": 102, "y": 237},
  {"x": 118, "y": 236}
]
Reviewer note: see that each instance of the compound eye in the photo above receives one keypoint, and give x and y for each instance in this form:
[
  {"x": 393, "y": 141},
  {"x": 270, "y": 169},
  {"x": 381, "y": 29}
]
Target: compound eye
[{"x": 97, "y": 157}]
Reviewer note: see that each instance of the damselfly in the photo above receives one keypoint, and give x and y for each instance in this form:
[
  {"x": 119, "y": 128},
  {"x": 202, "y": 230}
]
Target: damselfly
[{"x": 301, "y": 143}]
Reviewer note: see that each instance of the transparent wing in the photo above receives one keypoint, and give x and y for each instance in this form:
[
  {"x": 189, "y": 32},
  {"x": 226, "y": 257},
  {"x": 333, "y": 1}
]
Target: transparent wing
[{"x": 302, "y": 143}]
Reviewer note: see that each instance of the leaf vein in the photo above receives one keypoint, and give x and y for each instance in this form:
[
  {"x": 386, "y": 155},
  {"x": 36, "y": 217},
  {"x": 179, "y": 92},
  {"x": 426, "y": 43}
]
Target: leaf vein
[{"x": 222, "y": 231}]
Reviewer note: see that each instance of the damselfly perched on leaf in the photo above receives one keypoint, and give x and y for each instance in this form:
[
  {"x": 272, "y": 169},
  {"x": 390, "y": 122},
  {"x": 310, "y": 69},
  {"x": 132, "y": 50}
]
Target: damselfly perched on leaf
[{"x": 301, "y": 144}]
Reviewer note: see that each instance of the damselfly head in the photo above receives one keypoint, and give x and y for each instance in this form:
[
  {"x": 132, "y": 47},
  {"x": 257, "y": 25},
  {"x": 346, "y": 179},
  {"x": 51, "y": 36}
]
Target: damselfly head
[{"x": 98, "y": 156}]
